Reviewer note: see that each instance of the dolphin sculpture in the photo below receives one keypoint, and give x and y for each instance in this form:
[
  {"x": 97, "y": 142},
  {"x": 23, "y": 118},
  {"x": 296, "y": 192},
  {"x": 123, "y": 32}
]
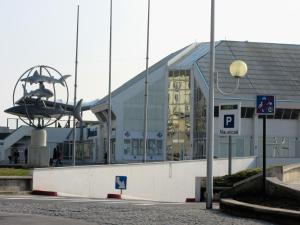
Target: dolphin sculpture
[
  {"x": 37, "y": 78},
  {"x": 40, "y": 110},
  {"x": 41, "y": 92}
]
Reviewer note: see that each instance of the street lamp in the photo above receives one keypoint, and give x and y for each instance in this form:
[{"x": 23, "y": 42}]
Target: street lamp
[
  {"x": 238, "y": 69},
  {"x": 210, "y": 109}
]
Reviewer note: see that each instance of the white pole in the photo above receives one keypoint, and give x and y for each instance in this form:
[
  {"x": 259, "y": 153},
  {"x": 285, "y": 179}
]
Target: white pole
[
  {"x": 75, "y": 90},
  {"x": 146, "y": 89},
  {"x": 109, "y": 90},
  {"x": 210, "y": 132}
]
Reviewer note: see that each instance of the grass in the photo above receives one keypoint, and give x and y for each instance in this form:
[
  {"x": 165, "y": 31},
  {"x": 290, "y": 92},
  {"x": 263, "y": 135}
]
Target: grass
[{"x": 14, "y": 172}]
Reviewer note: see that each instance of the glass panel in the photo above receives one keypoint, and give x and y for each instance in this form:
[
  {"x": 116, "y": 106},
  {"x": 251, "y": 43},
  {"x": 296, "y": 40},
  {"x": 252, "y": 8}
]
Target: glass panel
[
  {"x": 127, "y": 146},
  {"x": 135, "y": 146},
  {"x": 141, "y": 148},
  {"x": 178, "y": 140},
  {"x": 151, "y": 147},
  {"x": 159, "y": 147},
  {"x": 199, "y": 147}
]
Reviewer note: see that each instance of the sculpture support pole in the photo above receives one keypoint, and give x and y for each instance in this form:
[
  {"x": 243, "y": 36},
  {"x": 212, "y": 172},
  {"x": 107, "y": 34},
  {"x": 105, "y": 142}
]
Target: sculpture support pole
[
  {"x": 38, "y": 151},
  {"x": 75, "y": 91}
]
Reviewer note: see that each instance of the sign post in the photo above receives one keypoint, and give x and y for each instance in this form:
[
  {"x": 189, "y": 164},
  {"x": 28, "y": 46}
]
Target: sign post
[
  {"x": 265, "y": 105},
  {"x": 121, "y": 183},
  {"x": 229, "y": 125}
]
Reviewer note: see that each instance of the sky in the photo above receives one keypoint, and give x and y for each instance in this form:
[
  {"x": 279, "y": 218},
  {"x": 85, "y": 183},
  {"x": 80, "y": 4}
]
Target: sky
[{"x": 43, "y": 32}]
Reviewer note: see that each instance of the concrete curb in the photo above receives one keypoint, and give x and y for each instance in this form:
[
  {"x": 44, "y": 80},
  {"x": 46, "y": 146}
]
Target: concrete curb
[
  {"x": 47, "y": 193},
  {"x": 190, "y": 200},
  {"x": 277, "y": 215},
  {"x": 15, "y": 192},
  {"x": 114, "y": 196},
  {"x": 16, "y": 177}
]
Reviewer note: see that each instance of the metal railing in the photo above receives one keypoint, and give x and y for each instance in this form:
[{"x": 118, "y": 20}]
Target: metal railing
[{"x": 15, "y": 123}]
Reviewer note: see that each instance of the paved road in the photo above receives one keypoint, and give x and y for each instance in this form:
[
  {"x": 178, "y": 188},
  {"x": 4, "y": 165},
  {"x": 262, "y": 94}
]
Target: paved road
[
  {"x": 39, "y": 210},
  {"x": 23, "y": 219}
]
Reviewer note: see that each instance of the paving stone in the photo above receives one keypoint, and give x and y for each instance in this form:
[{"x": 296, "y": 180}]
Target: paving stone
[{"x": 123, "y": 212}]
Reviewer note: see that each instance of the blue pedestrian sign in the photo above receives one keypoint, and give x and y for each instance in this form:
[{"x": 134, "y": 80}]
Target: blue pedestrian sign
[
  {"x": 121, "y": 182},
  {"x": 265, "y": 104}
]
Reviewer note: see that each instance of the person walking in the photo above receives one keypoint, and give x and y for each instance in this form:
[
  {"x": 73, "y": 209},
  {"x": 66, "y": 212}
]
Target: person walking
[
  {"x": 16, "y": 156},
  {"x": 26, "y": 155},
  {"x": 55, "y": 156},
  {"x": 59, "y": 155}
]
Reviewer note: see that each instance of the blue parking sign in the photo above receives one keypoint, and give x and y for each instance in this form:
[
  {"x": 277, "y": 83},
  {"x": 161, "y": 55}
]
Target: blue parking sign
[{"x": 229, "y": 121}]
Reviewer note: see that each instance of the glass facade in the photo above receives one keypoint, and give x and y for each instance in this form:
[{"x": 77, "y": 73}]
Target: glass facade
[
  {"x": 199, "y": 131},
  {"x": 241, "y": 146},
  {"x": 178, "y": 127},
  {"x": 180, "y": 94},
  {"x": 133, "y": 127},
  {"x": 182, "y": 143},
  {"x": 279, "y": 147}
]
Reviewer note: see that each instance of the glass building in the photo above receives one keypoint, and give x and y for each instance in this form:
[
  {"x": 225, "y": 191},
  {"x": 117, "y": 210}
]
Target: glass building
[{"x": 177, "y": 105}]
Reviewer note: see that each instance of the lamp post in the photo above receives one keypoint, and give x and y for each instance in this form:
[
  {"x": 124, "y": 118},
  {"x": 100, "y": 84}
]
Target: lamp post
[
  {"x": 210, "y": 118},
  {"x": 238, "y": 69},
  {"x": 235, "y": 69}
]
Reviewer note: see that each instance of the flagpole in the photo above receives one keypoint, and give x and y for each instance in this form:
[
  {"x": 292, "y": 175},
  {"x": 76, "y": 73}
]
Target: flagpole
[
  {"x": 146, "y": 88},
  {"x": 109, "y": 90},
  {"x": 210, "y": 132},
  {"x": 75, "y": 90}
]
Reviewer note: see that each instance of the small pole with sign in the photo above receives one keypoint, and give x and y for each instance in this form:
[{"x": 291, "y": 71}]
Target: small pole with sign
[
  {"x": 121, "y": 183},
  {"x": 229, "y": 125},
  {"x": 265, "y": 105},
  {"x": 229, "y": 155}
]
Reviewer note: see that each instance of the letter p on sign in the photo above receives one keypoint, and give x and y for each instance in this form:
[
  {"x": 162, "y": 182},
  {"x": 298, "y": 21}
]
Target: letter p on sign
[{"x": 229, "y": 121}]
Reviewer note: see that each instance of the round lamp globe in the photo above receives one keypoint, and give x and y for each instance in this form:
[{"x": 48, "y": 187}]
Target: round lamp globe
[{"x": 238, "y": 68}]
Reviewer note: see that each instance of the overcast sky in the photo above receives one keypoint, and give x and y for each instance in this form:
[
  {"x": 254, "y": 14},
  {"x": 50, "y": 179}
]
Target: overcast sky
[{"x": 35, "y": 32}]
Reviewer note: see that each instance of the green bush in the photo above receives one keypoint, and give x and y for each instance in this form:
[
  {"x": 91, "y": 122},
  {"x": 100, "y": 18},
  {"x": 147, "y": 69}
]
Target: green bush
[{"x": 229, "y": 180}]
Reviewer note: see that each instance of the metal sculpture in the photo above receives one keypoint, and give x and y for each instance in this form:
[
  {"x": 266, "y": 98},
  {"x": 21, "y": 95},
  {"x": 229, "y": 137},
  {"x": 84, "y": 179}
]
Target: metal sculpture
[{"x": 39, "y": 104}]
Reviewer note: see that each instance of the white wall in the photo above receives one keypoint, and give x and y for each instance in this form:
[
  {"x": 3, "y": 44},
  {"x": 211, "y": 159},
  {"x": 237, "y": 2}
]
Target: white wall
[
  {"x": 163, "y": 181},
  {"x": 277, "y": 161}
]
